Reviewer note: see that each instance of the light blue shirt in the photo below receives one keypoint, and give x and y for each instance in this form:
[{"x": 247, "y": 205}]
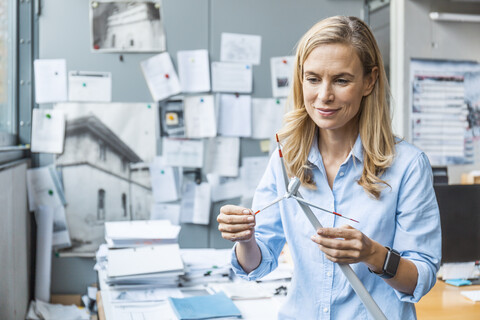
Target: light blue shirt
[{"x": 406, "y": 218}]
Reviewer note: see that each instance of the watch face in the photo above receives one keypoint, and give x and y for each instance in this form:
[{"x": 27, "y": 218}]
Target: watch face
[{"x": 391, "y": 262}]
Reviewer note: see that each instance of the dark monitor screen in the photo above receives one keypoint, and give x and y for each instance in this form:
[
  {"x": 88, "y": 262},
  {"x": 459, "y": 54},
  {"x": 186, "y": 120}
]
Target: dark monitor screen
[{"x": 460, "y": 219}]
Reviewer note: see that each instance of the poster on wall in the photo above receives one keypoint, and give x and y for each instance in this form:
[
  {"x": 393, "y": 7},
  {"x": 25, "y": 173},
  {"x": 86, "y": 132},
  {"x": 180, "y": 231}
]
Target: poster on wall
[
  {"x": 445, "y": 110},
  {"x": 126, "y": 26},
  {"x": 104, "y": 167}
]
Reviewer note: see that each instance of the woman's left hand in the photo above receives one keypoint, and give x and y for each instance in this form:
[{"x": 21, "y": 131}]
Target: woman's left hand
[{"x": 345, "y": 244}]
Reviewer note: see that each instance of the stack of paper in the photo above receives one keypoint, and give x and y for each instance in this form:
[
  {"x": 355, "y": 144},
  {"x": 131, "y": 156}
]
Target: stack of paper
[
  {"x": 127, "y": 234},
  {"x": 205, "y": 266},
  {"x": 157, "y": 266}
]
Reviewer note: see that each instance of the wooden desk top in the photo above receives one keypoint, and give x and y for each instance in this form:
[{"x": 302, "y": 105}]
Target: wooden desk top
[{"x": 444, "y": 302}]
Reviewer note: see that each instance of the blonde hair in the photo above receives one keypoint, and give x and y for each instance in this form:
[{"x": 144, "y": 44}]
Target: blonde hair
[{"x": 374, "y": 119}]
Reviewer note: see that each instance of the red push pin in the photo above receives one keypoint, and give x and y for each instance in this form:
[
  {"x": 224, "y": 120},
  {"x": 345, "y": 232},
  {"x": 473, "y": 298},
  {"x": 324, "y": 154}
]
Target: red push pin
[
  {"x": 167, "y": 75},
  {"x": 285, "y": 61},
  {"x": 96, "y": 47}
]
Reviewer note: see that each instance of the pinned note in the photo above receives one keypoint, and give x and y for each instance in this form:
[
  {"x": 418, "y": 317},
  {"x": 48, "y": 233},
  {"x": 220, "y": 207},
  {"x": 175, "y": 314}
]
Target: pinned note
[
  {"x": 232, "y": 77},
  {"x": 243, "y": 48},
  {"x": 161, "y": 77},
  {"x": 235, "y": 117},
  {"x": 48, "y": 130},
  {"x": 50, "y": 80},
  {"x": 194, "y": 70},
  {"x": 267, "y": 116},
  {"x": 222, "y": 156},
  {"x": 200, "y": 120},
  {"x": 164, "y": 180},
  {"x": 183, "y": 153},
  {"x": 282, "y": 74},
  {"x": 89, "y": 86}
]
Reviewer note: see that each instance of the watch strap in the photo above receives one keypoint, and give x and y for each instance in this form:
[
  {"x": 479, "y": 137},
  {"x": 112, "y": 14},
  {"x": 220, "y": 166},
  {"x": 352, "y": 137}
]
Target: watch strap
[{"x": 390, "y": 265}]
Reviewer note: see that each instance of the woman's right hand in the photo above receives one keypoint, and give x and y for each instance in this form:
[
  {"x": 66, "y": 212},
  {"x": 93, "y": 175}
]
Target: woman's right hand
[{"x": 236, "y": 223}]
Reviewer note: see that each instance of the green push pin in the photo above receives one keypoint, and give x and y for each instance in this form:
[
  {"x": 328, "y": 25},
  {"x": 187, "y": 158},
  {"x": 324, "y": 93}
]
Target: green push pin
[
  {"x": 278, "y": 101},
  {"x": 48, "y": 116},
  {"x": 162, "y": 172},
  {"x": 84, "y": 84},
  {"x": 50, "y": 192},
  {"x": 149, "y": 106}
]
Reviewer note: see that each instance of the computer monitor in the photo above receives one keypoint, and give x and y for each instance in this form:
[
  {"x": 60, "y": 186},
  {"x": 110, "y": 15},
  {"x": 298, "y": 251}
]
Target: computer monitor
[{"x": 460, "y": 219}]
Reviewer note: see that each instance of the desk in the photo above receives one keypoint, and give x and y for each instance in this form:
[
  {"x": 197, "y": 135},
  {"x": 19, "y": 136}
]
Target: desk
[{"x": 445, "y": 302}]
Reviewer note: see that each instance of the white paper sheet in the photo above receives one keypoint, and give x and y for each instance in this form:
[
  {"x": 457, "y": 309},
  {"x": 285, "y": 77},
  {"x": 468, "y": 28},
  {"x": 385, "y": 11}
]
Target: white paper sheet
[
  {"x": 169, "y": 211},
  {"x": 141, "y": 229},
  {"x": 200, "y": 120},
  {"x": 196, "y": 203},
  {"x": 281, "y": 69},
  {"x": 234, "y": 119},
  {"x": 460, "y": 270},
  {"x": 44, "y": 219},
  {"x": 144, "y": 260},
  {"x": 194, "y": 70},
  {"x": 89, "y": 86},
  {"x": 44, "y": 188},
  {"x": 48, "y": 131},
  {"x": 146, "y": 295},
  {"x": 164, "y": 180},
  {"x": 50, "y": 80},
  {"x": 267, "y": 117},
  {"x": 237, "y": 47},
  {"x": 232, "y": 77},
  {"x": 251, "y": 173},
  {"x": 183, "y": 153},
  {"x": 224, "y": 188},
  {"x": 222, "y": 156},
  {"x": 161, "y": 77}
]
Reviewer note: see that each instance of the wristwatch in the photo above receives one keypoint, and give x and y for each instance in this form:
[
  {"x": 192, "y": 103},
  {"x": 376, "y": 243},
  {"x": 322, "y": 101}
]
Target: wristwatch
[{"x": 390, "y": 265}]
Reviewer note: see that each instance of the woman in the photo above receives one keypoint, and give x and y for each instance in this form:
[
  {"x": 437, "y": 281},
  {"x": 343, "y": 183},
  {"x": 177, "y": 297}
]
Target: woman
[{"x": 338, "y": 141}]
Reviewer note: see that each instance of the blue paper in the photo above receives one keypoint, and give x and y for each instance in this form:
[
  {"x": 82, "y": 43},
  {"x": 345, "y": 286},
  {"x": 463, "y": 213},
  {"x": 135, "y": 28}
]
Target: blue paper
[
  {"x": 459, "y": 282},
  {"x": 204, "y": 307}
]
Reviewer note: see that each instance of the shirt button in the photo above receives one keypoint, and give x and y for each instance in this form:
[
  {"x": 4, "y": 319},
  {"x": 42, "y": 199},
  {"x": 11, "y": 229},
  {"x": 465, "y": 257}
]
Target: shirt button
[
  {"x": 341, "y": 173},
  {"x": 325, "y": 310},
  {"x": 329, "y": 274}
]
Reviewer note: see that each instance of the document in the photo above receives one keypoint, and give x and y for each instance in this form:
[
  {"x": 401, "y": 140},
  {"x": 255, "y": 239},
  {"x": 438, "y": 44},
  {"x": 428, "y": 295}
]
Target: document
[
  {"x": 267, "y": 117},
  {"x": 144, "y": 296},
  {"x": 169, "y": 211},
  {"x": 161, "y": 77},
  {"x": 48, "y": 131},
  {"x": 183, "y": 153},
  {"x": 141, "y": 230},
  {"x": 50, "y": 80},
  {"x": 222, "y": 156},
  {"x": 460, "y": 270},
  {"x": 251, "y": 172},
  {"x": 194, "y": 70},
  {"x": 44, "y": 188},
  {"x": 232, "y": 77},
  {"x": 235, "y": 118},
  {"x": 44, "y": 219},
  {"x": 196, "y": 203},
  {"x": 224, "y": 188},
  {"x": 171, "y": 115},
  {"x": 243, "y": 290},
  {"x": 144, "y": 260},
  {"x": 89, "y": 86},
  {"x": 281, "y": 69},
  {"x": 200, "y": 120},
  {"x": 164, "y": 180},
  {"x": 244, "y": 48}
]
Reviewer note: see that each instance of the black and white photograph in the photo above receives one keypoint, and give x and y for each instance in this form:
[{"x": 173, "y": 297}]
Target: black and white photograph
[
  {"x": 104, "y": 167},
  {"x": 126, "y": 26},
  {"x": 171, "y": 116}
]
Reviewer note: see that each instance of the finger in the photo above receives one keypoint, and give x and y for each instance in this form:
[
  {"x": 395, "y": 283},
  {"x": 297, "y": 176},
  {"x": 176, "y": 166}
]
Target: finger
[
  {"x": 239, "y": 236},
  {"x": 235, "y": 219},
  {"x": 338, "y": 232},
  {"x": 231, "y": 209},
  {"x": 341, "y": 255},
  {"x": 338, "y": 244},
  {"x": 235, "y": 228},
  {"x": 341, "y": 260}
]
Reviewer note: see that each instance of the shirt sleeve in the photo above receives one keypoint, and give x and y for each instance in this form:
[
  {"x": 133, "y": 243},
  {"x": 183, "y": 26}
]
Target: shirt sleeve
[
  {"x": 418, "y": 232},
  {"x": 269, "y": 229}
]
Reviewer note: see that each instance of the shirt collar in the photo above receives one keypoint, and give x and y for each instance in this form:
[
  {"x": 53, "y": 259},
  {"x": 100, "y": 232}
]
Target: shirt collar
[{"x": 315, "y": 156}]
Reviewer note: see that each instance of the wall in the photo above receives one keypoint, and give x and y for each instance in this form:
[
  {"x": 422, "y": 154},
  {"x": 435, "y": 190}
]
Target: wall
[
  {"x": 415, "y": 35},
  {"x": 64, "y": 32},
  {"x": 16, "y": 255}
]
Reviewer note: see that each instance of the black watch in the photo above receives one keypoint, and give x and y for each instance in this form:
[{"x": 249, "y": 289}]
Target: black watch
[{"x": 390, "y": 265}]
